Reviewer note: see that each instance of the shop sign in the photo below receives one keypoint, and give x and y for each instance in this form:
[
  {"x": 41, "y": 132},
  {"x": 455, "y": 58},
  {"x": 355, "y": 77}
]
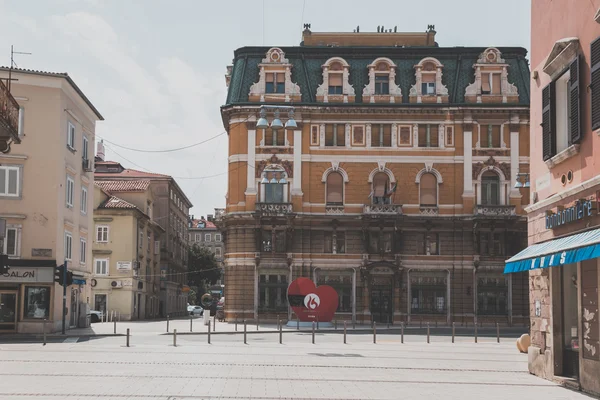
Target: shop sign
[
  {"x": 581, "y": 210},
  {"x": 123, "y": 265},
  {"x": 28, "y": 274},
  {"x": 41, "y": 252},
  {"x": 311, "y": 303}
]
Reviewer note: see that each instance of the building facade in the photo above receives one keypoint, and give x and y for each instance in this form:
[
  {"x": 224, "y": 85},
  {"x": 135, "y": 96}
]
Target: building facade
[
  {"x": 563, "y": 220},
  {"x": 204, "y": 233},
  {"x": 395, "y": 186},
  {"x": 46, "y": 189},
  {"x": 126, "y": 250},
  {"x": 170, "y": 212}
]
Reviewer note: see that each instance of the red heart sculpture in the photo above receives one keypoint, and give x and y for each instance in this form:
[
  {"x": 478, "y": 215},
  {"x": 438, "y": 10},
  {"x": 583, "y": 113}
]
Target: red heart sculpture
[{"x": 312, "y": 303}]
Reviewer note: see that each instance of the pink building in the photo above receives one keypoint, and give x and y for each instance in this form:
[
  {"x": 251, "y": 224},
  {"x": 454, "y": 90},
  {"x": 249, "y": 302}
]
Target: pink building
[{"x": 563, "y": 220}]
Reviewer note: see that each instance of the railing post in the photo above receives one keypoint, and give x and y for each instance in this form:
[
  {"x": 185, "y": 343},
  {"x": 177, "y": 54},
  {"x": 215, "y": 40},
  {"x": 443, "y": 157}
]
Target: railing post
[
  {"x": 374, "y": 332},
  {"x": 174, "y": 337},
  {"x": 280, "y": 333},
  {"x": 453, "y": 330},
  {"x": 313, "y": 332},
  {"x": 215, "y": 323},
  {"x": 256, "y": 323},
  {"x": 428, "y": 332},
  {"x": 236, "y": 325},
  {"x": 127, "y": 340},
  {"x": 344, "y": 332},
  {"x": 245, "y": 332}
]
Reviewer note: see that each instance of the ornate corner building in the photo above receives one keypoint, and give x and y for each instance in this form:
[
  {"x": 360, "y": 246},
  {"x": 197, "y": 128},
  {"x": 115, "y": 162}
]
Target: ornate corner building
[{"x": 395, "y": 186}]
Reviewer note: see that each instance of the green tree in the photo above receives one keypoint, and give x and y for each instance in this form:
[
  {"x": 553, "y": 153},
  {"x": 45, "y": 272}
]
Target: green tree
[{"x": 202, "y": 267}]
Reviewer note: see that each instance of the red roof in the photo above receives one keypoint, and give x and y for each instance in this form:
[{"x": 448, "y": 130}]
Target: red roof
[
  {"x": 124, "y": 186},
  {"x": 129, "y": 173},
  {"x": 115, "y": 202},
  {"x": 207, "y": 224}
]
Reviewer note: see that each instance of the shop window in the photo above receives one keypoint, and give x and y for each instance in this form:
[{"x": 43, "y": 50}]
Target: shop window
[
  {"x": 428, "y": 190},
  {"x": 37, "y": 302},
  {"x": 381, "y": 191},
  {"x": 335, "y": 189},
  {"x": 490, "y": 188},
  {"x": 342, "y": 283},
  {"x": 428, "y": 135},
  {"x": 492, "y": 295},
  {"x": 428, "y": 295},
  {"x": 335, "y": 135},
  {"x": 428, "y": 244},
  {"x": 381, "y": 135},
  {"x": 272, "y": 290}
]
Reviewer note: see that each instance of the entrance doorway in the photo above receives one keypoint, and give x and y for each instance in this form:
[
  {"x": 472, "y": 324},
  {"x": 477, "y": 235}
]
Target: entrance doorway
[
  {"x": 381, "y": 304},
  {"x": 8, "y": 311},
  {"x": 100, "y": 303},
  {"x": 570, "y": 322}
]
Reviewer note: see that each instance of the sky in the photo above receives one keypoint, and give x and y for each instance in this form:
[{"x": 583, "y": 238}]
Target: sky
[{"x": 155, "y": 69}]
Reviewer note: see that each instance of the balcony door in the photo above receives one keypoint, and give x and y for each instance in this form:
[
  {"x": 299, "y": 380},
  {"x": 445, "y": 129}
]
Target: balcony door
[{"x": 490, "y": 189}]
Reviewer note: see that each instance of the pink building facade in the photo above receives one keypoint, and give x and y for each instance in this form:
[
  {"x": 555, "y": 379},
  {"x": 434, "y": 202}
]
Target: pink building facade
[{"x": 563, "y": 220}]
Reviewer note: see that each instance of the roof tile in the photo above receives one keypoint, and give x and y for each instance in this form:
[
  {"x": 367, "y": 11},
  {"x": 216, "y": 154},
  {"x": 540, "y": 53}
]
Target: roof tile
[{"x": 124, "y": 186}]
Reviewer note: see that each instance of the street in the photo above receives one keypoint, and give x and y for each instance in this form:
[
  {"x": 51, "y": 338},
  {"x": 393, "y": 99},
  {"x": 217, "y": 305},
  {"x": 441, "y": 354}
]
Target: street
[{"x": 104, "y": 368}]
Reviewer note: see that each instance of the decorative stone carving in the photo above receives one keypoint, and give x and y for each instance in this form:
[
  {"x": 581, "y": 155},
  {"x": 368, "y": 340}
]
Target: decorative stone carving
[
  {"x": 390, "y": 209},
  {"x": 429, "y": 64},
  {"x": 382, "y": 65},
  {"x": 275, "y": 62},
  {"x": 275, "y": 163},
  {"x": 336, "y": 65},
  {"x": 491, "y": 59},
  {"x": 491, "y": 163},
  {"x": 491, "y": 55}
]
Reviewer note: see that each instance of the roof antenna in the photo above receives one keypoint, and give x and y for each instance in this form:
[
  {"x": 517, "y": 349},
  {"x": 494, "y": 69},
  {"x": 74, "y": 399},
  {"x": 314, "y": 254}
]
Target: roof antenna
[
  {"x": 13, "y": 64},
  {"x": 396, "y": 29},
  {"x": 357, "y": 28},
  {"x": 377, "y": 28}
]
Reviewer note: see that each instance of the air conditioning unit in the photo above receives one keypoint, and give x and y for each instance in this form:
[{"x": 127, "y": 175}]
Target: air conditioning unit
[
  {"x": 87, "y": 165},
  {"x": 116, "y": 284}
]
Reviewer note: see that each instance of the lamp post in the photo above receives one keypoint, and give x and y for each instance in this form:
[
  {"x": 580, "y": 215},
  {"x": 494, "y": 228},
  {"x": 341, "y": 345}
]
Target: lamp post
[{"x": 522, "y": 176}]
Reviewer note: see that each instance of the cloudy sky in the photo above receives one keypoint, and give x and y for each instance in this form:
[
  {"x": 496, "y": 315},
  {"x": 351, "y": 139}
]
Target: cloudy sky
[{"x": 155, "y": 68}]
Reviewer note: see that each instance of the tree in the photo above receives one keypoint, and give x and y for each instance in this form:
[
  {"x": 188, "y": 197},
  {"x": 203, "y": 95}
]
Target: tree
[{"x": 202, "y": 267}]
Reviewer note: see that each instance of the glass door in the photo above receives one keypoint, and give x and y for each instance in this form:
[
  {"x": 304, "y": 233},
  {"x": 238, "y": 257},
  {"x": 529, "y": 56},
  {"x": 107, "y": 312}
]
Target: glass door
[
  {"x": 381, "y": 304},
  {"x": 100, "y": 303},
  {"x": 8, "y": 311}
]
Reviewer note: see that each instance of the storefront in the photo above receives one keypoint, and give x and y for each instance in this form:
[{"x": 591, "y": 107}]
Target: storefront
[{"x": 26, "y": 296}]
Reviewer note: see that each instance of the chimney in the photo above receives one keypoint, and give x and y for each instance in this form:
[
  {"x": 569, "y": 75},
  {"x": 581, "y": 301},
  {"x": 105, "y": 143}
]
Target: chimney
[
  {"x": 100, "y": 150},
  {"x": 209, "y": 217}
]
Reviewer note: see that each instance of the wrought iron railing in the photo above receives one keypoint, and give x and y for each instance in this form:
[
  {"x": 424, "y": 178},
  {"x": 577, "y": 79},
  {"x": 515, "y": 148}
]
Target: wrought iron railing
[
  {"x": 429, "y": 210},
  {"x": 495, "y": 210},
  {"x": 9, "y": 113},
  {"x": 274, "y": 208},
  {"x": 382, "y": 209}
]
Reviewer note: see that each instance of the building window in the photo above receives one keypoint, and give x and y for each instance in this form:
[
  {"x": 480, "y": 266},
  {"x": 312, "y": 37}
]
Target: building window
[
  {"x": 382, "y": 84},
  {"x": 336, "y": 78},
  {"x": 428, "y": 83},
  {"x": 141, "y": 239},
  {"x": 560, "y": 112},
  {"x": 490, "y": 136},
  {"x": 274, "y": 137},
  {"x": 272, "y": 291},
  {"x": 275, "y": 82},
  {"x": 334, "y": 243},
  {"x": 404, "y": 135},
  {"x": 101, "y": 267},
  {"x": 70, "y": 193},
  {"x": 37, "y": 302},
  {"x": 273, "y": 241},
  {"x": 492, "y": 295},
  {"x": 197, "y": 237},
  {"x": 491, "y": 244},
  {"x": 10, "y": 243},
  {"x": 218, "y": 253},
  {"x": 381, "y": 135},
  {"x": 68, "y": 246},
  {"x": 9, "y": 181},
  {"x": 71, "y": 136},
  {"x": 342, "y": 283},
  {"x": 491, "y": 83},
  {"x": 428, "y": 190},
  {"x": 274, "y": 184},
  {"x": 102, "y": 234},
  {"x": 428, "y": 244},
  {"x": 207, "y": 237},
  {"x": 380, "y": 242},
  {"x": 84, "y": 148},
  {"x": 83, "y": 200},
  {"x": 217, "y": 237},
  {"x": 428, "y": 295},
  {"x": 428, "y": 135},
  {"x": 82, "y": 250},
  {"x": 149, "y": 242},
  {"x": 381, "y": 190},
  {"x": 490, "y": 188},
  {"x": 314, "y": 135},
  {"x": 335, "y": 135},
  {"x": 335, "y": 189}
]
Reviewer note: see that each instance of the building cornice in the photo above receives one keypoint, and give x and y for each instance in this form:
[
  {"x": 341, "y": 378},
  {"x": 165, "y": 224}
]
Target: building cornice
[{"x": 590, "y": 183}]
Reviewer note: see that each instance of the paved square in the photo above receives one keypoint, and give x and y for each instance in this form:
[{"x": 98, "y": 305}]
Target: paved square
[{"x": 152, "y": 368}]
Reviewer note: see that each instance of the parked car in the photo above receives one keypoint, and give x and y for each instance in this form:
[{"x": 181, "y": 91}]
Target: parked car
[
  {"x": 95, "y": 316},
  {"x": 195, "y": 310}
]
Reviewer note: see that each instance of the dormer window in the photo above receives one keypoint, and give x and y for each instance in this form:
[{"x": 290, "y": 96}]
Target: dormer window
[
  {"x": 491, "y": 80},
  {"x": 382, "y": 86},
  {"x": 335, "y": 87},
  {"x": 275, "y": 80},
  {"x": 428, "y": 87}
]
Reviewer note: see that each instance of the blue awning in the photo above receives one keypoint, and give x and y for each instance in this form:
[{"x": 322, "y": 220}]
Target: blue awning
[{"x": 566, "y": 250}]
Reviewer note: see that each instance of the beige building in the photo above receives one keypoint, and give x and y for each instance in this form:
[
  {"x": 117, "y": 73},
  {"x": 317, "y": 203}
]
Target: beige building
[
  {"x": 46, "y": 185},
  {"x": 126, "y": 250}
]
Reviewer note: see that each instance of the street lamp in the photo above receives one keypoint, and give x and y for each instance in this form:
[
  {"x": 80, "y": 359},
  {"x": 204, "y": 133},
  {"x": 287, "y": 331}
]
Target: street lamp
[
  {"x": 520, "y": 184},
  {"x": 276, "y": 124}
]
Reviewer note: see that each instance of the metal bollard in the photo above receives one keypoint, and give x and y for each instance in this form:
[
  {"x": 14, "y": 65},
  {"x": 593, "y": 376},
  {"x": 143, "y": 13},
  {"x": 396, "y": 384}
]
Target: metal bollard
[
  {"x": 497, "y": 333},
  {"x": 475, "y": 333},
  {"x": 344, "y": 332},
  {"x": 428, "y": 332},
  {"x": 191, "y": 322},
  {"x": 236, "y": 325},
  {"x": 335, "y": 324},
  {"x": 374, "y": 332},
  {"x": 44, "y": 331},
  {"x": 401, "y": 332},
  {"x": 167, "y": 323},
  {"x": 317, "y": 323},
  {"x": 453, "y": 330},
  {"x": 256, "y": 323},
  {"x": 280, "y": 333},
  {"x": 215, "y": 323},
  {"x": 297, "y": 323},
  {"x": 174, "y": 337},
  {"x": 421, "y": 323},
  {"x": 208, "y": 333},
  {"x": 313, "y": 332},
  {"x": 115, "y": 326},
  {"x": 127, "y": 341},
  {"x": 245, "y": 332},
  {"x": 353, "y": 324}
]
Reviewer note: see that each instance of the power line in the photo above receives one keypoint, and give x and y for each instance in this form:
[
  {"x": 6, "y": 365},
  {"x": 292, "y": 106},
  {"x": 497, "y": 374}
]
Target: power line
[{"x": 164, "y": 151}]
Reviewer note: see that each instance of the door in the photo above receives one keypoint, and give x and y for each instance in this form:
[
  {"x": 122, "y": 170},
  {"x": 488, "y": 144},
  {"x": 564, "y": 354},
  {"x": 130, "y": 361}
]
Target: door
[
  {"x": 100, "y": 303},
  {"x": 381, "y": 304},
  {"x": 8, "y": 311}
]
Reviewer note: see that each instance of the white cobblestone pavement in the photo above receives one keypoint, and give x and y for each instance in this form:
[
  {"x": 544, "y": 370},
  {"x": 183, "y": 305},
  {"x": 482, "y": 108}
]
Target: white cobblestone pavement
[{"x": 152, "y": 368}]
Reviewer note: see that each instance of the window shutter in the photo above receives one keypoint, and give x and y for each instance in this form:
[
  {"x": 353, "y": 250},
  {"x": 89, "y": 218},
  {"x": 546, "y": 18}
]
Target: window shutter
[
  {"x": 335, "y": 79},
  {"x": 380, "y": 184},
  {"x": 335, "y": 187},
  {"x": 340, "y": 134},
  {"x": 496, "y": 83},
  {"x": 485, "y": 82},
  {"x": 575, "y": 106},
  {"x": 595, "y": 83},
  {"x": 548, "y": 134},
  {"x": 428, "y": 190}
]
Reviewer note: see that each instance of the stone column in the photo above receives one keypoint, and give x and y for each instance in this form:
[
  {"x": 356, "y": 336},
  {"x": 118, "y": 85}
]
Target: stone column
[
  {"x": 415, "y": 135},
  {"x": 297, "y": 180},
  {"x": 368, "y": 136},
  {"x": 251, "y": 181},
  {"x": 468, "y": 161}
]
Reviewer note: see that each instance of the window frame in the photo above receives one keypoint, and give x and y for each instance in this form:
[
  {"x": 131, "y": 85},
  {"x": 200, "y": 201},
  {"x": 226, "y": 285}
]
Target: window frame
[
  {"x": 85, "y": 147},
  {"x": 219, "y": 251},
  {"x": 4, "y": 249},
  {"x": 68, "y": 248},
  {"x": 70, "y": 136},
  {"x": 82, "y": 250},
  {"x": 332, "y": 203},
  {"x": 437, "y": 191},
  {"x": 106, "y": 267},
  {"x": 100, "y": 229},
  {"x": 83, "y": 201},
  {"x": 382, "y": 86},
  {"x": 6, "y": 170},
  {"x": 487, "y": 186},
  {"x": 197, "y": 237},
  {"x": 207, "y": 237},
  {"x": 70, "y": 191},
  {"x": 217, "y": 237}
]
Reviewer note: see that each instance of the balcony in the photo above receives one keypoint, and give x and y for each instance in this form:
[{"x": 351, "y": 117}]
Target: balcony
[
  {"x": 429, "y": 210},
  {"x": 274, "y": 209},
  {"x": 334, "y": 209},
  {"x": 494, "y": 211},
  {"x": 388, "y": 209},
  {"x": 9, "y": 119}
]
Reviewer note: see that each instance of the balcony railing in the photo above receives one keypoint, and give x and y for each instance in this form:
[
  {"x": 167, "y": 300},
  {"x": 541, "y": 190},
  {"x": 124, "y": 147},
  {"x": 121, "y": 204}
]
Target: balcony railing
[
  {"x": 494, "y": 211},
  {"x": 9, "y": 115},
  {"x": 382, "y": 209},
  {"x": 274, "y": 209},
  {"x": 334, "y": 209},
  {"x": 429, "y": 210}
]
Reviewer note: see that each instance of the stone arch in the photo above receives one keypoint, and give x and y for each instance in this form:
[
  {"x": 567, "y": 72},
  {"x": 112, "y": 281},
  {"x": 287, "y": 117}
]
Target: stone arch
[
  {"x": 335, "y": 169},
  {"x": 386, "y": 171},
  {"x": 429, "y": 170}
]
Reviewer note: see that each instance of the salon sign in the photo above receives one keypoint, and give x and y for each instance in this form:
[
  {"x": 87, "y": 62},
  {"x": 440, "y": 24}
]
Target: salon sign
[
  {"x": 582, "y": 209},
  {"x": 28, "y": 274}
]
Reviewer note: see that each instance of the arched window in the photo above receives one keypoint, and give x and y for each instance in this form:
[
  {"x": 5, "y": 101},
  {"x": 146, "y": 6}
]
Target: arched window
[
  {"x": 490, "y": 188},
  {"x": 428, "y": 190},
  {"x": 274, "y": 185},
  {"x": 335, "y": 189},
  {"x": 381, "y": 188}
]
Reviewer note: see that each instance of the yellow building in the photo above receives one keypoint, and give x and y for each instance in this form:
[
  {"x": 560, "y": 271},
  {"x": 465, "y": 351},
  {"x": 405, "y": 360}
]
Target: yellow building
[{"x": 126, "y": 250}]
